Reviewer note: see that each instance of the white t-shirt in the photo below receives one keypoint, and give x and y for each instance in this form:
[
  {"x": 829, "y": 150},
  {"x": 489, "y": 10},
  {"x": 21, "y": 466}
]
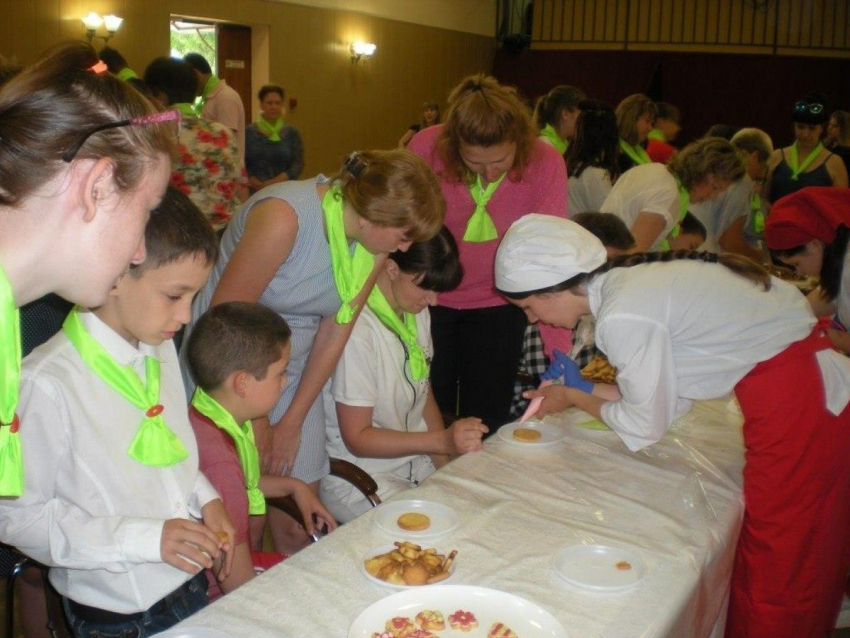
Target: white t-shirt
[
  {"x": 648, "y": 188},
  {"x": 691, "y": 330},
  {"x": 587, "y": 191},
  {"x": 372, "y": 372},
  {"x": 718, "y": 215}
]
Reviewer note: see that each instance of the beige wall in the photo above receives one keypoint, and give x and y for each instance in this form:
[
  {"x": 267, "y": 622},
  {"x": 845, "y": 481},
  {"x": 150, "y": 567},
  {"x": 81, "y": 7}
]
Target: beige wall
[{"x": 341, "y": 107}]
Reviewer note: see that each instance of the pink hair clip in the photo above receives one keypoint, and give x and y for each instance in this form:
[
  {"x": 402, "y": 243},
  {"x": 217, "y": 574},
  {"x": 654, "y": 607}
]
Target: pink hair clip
[
  {"x": 171, "y": 115},
  {"x": 99, "y": 67}
]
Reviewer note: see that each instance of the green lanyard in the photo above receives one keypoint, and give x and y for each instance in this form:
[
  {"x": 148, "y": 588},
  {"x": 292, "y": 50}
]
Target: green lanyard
[
  {"x": 246, "y": 447},
  {"x": 406, "y": 331},
  {"x": 350, "y": 270},
  {"x": 656, "y": 134},
  {"x": 271, "y": 129},
  {"x": 480, "y": 227},
  {"x": 636, "y": 152},
  {"x": 11, "y": 458},
  {"x": 212, "y": 82},
  {"x": 757, "y": 214},
  {"x": 796, "y": 169},
  {"x": 684, "y": 202},
  {"x": 126, "y": 74},
  {"x": 186, "y": 109},
  {"x": 154, "y": 444},
  {"x": 551, "y": 134}
]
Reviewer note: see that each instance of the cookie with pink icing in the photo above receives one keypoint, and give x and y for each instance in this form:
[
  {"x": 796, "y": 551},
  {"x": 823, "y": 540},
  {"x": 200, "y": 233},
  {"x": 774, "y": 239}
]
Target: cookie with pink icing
[{"x": 463, "y": 620}]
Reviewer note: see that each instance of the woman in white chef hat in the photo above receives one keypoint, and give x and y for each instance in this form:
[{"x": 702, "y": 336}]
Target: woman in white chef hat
[{"x": 680, "y": 326}]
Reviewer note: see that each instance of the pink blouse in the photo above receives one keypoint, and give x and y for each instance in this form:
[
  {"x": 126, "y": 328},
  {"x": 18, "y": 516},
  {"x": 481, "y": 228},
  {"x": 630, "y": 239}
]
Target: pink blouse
[{"x": 542, "y": 189}]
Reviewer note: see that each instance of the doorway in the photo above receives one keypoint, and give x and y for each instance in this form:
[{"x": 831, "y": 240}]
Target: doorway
[{"x": 227, "y": 48}]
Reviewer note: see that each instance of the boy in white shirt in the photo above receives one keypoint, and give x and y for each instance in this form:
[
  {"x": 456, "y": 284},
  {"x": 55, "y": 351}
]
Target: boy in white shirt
[{"x": 112, "y": 487}]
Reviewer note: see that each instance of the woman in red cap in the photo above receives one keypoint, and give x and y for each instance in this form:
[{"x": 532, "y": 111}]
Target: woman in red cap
[
  {"x": 809, "y": 230},
  {"x": 677, "y": 330}
]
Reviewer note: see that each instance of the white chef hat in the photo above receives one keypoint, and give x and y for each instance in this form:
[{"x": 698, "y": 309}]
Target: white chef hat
[{"x": 540, "y": 251}]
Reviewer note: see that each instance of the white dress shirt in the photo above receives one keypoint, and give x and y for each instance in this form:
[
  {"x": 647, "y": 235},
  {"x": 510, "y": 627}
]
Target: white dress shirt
[
  {"x": 89, "y": 511},
  {"x": 649, "y": 188},
  {"x": 691, "y": 330}
]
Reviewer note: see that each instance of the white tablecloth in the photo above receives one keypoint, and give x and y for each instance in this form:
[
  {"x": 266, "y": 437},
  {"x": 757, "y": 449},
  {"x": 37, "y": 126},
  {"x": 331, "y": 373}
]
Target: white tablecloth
[{"x": 678, "y": 503}]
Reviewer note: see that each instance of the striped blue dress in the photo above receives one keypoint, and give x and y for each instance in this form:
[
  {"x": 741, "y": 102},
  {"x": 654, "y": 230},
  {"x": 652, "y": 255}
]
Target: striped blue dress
[{"x": 302, "y": 292}]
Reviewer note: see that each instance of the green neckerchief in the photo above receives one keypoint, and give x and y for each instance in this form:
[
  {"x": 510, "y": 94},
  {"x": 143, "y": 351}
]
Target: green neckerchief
[
  {"x": 271, "y": 129},
  {"x": 212, "y": 82},
  {"x": 126, "y": 74},
  {"x": 406, "y": 331},
  {"x": 636, "y": 152},
  {"x": 556, "y": 140},
  {"x": 480, "y": 227},
  {"x": 796, "y": 169},
  {"x": 350, "y": 270},
  {"x": 246, "y": 447},
  {"x": 757, "y": 214},
  {"x": 657, "y": 134},
  {"x": 11, "y": 458},
  {"x": 684, "y": 203},
  {"x": 186, "y": 109},
  {"x": 154, "y": 444}
]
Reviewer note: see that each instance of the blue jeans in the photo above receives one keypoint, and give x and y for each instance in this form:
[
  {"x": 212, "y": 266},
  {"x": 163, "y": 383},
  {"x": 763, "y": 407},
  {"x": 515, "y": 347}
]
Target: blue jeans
[{"x": 161, "y": 616}]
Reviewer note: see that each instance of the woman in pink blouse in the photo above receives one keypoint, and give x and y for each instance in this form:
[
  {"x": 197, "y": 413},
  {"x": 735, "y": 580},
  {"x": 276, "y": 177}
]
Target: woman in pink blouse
[{"x": 492, "y": 170}]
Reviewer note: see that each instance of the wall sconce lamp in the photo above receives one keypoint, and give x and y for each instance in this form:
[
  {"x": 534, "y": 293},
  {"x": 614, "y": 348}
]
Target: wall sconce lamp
[
  {"x": 93, "y": 22},
  {"x": 361, "y": 50}
]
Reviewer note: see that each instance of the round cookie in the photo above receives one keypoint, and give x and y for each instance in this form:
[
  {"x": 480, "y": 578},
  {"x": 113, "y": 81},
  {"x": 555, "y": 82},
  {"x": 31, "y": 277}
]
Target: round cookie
[
  {"x": 414, "y": 522},
  {"x": 527, "y": 435}
]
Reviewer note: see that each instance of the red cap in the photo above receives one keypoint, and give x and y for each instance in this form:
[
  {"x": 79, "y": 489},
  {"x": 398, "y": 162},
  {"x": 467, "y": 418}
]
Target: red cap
[{"x": 811, "y": 213}]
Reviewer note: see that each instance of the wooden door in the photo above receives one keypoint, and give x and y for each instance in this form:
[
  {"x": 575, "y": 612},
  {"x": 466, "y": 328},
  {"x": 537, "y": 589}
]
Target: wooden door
[{"x": 234, "y": 62}]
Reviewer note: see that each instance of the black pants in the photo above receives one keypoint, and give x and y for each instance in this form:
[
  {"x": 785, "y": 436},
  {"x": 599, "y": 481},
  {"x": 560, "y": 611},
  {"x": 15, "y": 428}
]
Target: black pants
[{"x": 476, "y": 357}]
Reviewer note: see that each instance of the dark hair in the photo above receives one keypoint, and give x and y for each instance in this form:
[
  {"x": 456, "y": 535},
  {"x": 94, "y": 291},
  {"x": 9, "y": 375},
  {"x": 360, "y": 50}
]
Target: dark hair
[
  {"x": 596, "y": 141},
  {"x": 173, "y": 77},
  {"x": 668, "y": 111},
  {"x": 113, "y": 60},
  {"x": 549, "y": 107},
  {"x": 725, "y": 131},
  {"x": 235, "y": 336},
  {"x": 8, "y": 72},
  {"x": 270, "y": 88},
  {"x": 484, "y": 113},
  {"x": 692, "y": 226},
  {"x": 436, "y": 261},
  {"x": 805, "y": 115},
  {"x": 738, "y": 264},
  {"x": 198, "y": 62},
  {"x": 176, "y": 229},
  {"x": 609, "y": 229},
  {"x": 429, "y": 105},
  {"x": 394, "y": 189},
  {"x": 47, "y": 106},
  {"x": 833, "y": 261}
]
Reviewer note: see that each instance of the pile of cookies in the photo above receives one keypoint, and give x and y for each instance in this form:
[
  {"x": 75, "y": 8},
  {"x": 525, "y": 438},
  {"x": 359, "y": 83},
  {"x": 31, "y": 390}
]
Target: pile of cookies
[
  {"x": 409, "y": 564},
  {"x": 599, "y": 371},
  {"x": 428, "y": 621}
]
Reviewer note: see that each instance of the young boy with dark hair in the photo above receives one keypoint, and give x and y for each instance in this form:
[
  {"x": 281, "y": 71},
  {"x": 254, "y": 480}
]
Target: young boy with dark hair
[
  {"x": 113, "y": 494},
  {"x": 237, "y": 355}
]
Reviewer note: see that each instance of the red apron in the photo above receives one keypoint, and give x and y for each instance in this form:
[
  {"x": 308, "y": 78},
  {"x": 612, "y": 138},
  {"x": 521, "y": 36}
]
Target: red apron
[{"x": 793, "y": 555}]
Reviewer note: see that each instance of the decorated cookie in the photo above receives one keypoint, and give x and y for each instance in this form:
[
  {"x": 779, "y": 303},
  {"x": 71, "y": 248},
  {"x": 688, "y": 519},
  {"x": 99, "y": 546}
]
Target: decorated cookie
[
  {"x": 463, "y": 620},
  {"x": 430, "y": 620}
]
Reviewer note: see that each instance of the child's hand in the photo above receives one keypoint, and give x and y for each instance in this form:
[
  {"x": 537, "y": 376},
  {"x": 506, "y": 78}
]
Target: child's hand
[
  {"x": 556, "y": 399},
  {"x": 309, "y": 505},
  {"x": 216, "y": 519},
  {"x": 465, "y": 435},
  {"x": 183, "y": 540}
]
